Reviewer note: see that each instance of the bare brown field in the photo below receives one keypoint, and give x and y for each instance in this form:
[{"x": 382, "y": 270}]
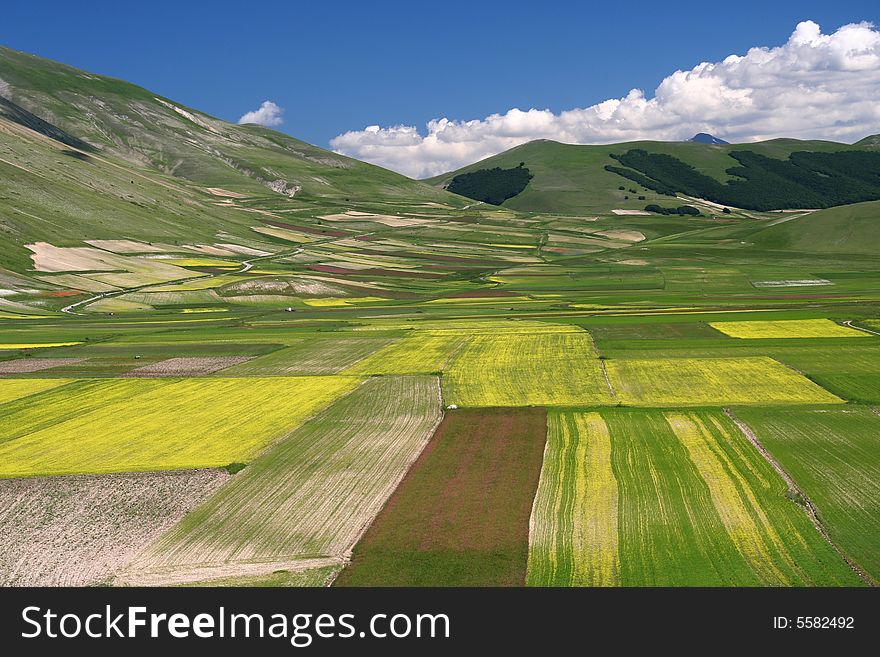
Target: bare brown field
[
  {"x": 192, "y": 366},
  {"x": 29, "y": 365},
  {"x": 79, "y": 530}
]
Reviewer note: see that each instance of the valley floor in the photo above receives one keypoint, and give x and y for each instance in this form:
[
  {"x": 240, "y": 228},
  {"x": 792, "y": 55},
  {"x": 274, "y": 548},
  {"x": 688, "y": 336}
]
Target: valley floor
[{"x": 441, "y": 396}]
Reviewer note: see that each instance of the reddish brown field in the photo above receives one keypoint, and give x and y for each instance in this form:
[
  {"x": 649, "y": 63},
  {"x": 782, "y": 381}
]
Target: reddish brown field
[{"x": 461, "y": 515}]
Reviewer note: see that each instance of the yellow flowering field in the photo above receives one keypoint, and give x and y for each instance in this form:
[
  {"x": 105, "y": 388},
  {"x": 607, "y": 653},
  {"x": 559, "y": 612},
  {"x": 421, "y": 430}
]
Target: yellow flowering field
[
  {"x": 573, "y": 539},
  {"x": 36, "y": 345},
  {"x": 712, "y": 382},
  {"x": 424, "y": 352},
  {"x": 163, "y": 424},
  {"x": 789, "y": 328},
  {"x": 521, "y": 369},
  {"x": 11, "y": 389}
]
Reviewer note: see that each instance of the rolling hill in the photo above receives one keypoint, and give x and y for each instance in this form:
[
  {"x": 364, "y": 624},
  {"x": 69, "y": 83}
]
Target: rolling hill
[
  {"x": 845, "y": 229},
  {"x": 575, "y": 179}
]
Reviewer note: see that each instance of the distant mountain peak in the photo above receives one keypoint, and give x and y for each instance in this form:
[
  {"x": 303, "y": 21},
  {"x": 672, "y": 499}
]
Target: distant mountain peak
[{"x": 706, "y": 138}]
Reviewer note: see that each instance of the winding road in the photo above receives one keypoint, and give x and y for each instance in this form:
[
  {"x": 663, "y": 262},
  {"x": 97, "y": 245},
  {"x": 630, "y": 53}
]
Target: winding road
[{"x": 246, "y": 266}]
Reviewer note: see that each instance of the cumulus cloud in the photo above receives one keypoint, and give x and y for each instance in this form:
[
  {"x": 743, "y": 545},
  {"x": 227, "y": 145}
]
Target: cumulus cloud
[
  {"x": 815, "y": 86},
  {"x": 268, "y": 114}
]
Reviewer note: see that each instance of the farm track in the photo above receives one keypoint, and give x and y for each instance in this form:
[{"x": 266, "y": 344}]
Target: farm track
[
  {"x": 849, "y": 323},
  {"x": 246, "y": 266},
  {"x": 808, "y": 506}
]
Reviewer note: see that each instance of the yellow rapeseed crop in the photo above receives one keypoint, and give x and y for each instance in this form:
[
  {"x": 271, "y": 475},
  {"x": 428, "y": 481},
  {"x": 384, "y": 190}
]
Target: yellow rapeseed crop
[
  {"x": 36, "y": 345},
  {"x": 163, "y": 424},
  {"x": 522, "y": 369},
  {"x": 11, "y": 389},
  {"x": 737, "y": 504},
  {"x": 341, "y": 301},
  {"x": 420, "y": 354},
  {"x": 574, "y": 539},
  {"x": 712, "y": 382},
  {"x": 800, "y": 328}
]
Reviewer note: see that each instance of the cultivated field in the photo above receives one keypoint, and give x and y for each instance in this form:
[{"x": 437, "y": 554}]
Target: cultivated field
[
  {"x": 461, "y": 515},
  {"x": 423, "y": 353},
  {"x": 30, "y": 365},
  {"x": 804, "y": 328},
  {"x": 129, "y": 425},
  {"x": 834, "y": 457},
  {"x": 573, "y": 538},
  {"x": 550, "y": 369},
  {"x": 712, "y": 382},
  {"x": 308, "y": 498},
  {"x": 852, "y": 373},
  {"x": 312, "y": 356},
  {"x": 192, "y": 366},
  {"x": 12, "y": 389},
  {"x": 80, "y": 530},
  {"x": 694, "y": 505}
]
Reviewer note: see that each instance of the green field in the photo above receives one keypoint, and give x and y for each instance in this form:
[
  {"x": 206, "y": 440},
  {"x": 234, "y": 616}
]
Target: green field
[
  {"x": 834, "y": 456},
  {"x": 668, "y": 498}
]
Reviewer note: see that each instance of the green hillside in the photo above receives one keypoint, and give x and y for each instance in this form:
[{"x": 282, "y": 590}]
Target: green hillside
[
  {"x": 572, "y": 178},
  {"x": 121, "y": 119},
  {"x": 846, "y": 229}
]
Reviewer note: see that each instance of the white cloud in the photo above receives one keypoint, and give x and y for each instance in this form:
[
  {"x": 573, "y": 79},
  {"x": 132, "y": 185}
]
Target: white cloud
[
  {"x": 814, "y": 86},
  {"x": 268, "y": 114}
]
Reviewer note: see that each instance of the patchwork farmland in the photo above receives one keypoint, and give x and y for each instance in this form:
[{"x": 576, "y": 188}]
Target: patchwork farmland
[
  {"x": 305, "y": 501},
  {"x": 301, "y": 370},
  {"x": 693, "y": 505}
]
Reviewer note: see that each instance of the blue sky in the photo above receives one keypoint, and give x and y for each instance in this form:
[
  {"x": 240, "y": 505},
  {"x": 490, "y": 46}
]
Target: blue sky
[{"x": 340, "y": 66}]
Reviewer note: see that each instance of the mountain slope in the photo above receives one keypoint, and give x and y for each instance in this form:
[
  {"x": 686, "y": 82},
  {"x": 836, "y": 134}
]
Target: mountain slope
[
  {"x": 86, "y": 157},
  {"x": 129, "y": 122},
  {"x": 573, "y": 179}
]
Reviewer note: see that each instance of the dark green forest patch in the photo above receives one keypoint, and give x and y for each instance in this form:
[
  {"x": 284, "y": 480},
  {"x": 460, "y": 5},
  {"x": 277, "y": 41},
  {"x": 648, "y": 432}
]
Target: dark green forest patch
[
  {"x": 804, "y": 180},
  {"x": 492, "y": 186}
]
